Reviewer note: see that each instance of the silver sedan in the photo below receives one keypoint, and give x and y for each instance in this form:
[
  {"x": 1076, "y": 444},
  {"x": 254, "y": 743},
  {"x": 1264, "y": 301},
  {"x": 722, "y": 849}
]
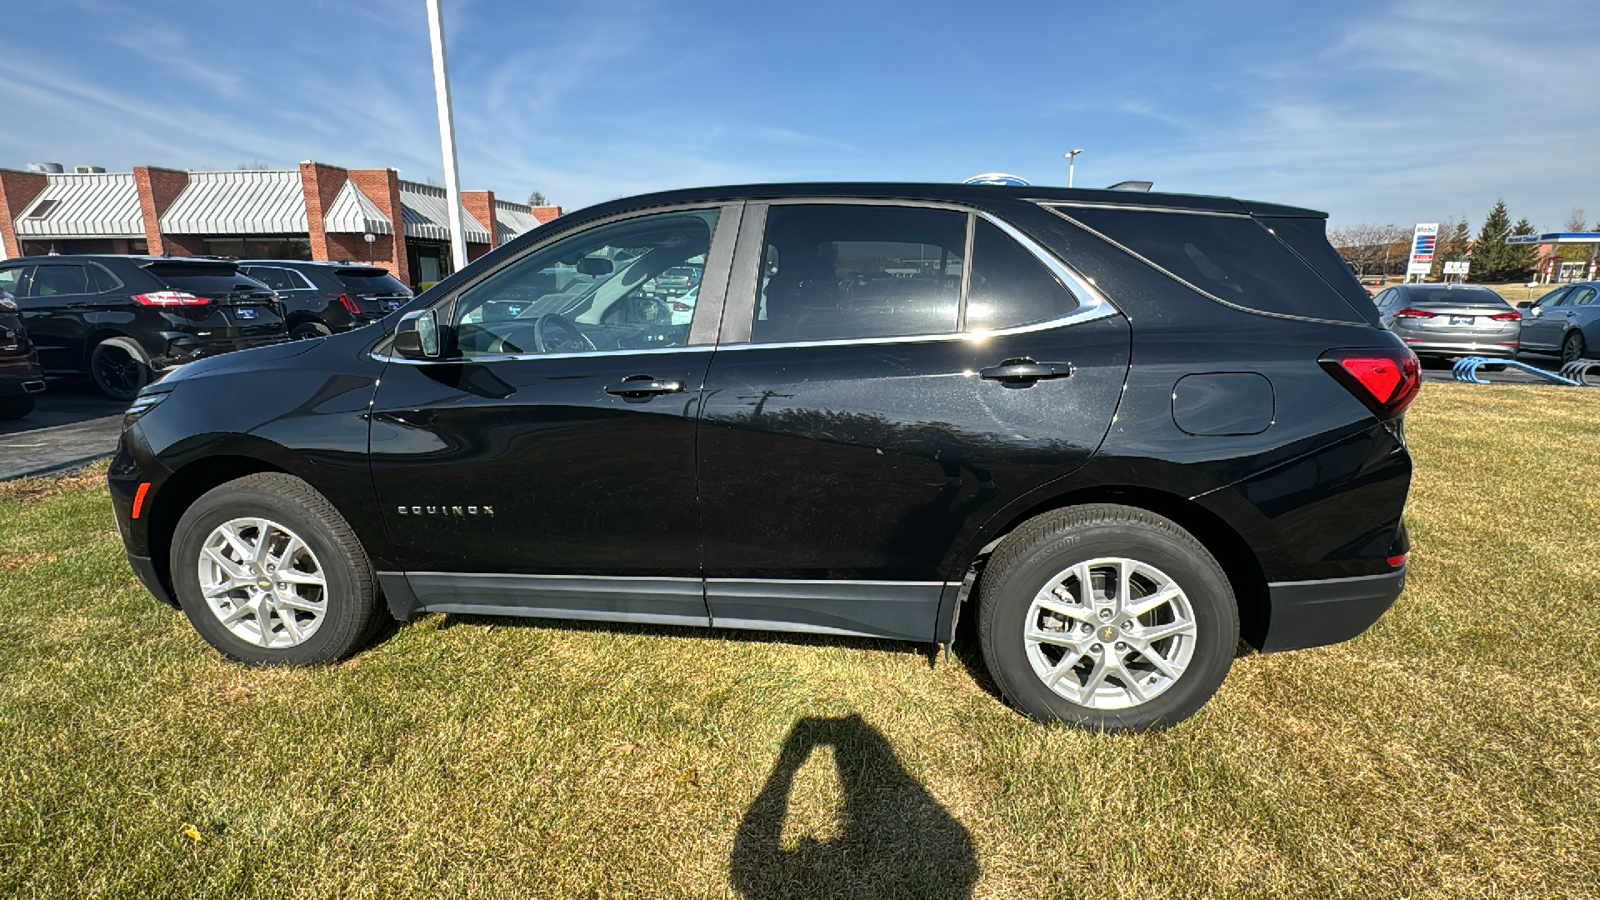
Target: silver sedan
[{"x": 1443, "y": 321}]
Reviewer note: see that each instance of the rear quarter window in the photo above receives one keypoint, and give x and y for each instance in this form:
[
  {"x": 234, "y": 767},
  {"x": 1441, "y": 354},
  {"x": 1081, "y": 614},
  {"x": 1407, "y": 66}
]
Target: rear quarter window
[{"x": 1232, "y": 258}]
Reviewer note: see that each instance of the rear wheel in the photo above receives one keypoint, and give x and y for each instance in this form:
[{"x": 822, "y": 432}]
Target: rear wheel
[
  {"x": 269, "y": 572},
  {"x": 1435, "y": 362},
  {"x": 117, "y": 371},
  {"x": 16, "y": 407},
  {"x": 308, "y": 330},
  {"x": 1573, "y": 348},
  {"x": 1106, "y": 617}
]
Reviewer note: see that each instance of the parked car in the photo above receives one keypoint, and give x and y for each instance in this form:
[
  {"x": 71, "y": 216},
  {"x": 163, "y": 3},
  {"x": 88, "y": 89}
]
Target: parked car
[
  {"x": 1440, "y": 322},
  {"x": 677, "y": 280},
  {"x": 321, "y": 298},
  {"x": 124, "y": 319},
  {"x": 1565, "y": 321},
  {"x": 20, "y": 374},
  {"x": 1120, "y": 430}
]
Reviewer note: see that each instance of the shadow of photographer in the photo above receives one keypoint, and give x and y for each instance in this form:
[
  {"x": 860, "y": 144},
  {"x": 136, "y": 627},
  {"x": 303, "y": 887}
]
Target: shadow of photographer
[{"x": 894, "y": 839}]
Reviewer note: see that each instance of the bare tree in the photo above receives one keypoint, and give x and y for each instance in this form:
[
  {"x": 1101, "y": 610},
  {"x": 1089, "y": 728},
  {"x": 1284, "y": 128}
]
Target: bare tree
[
  {"x": 1370, "y": 248},
  {"x": 1577, "y": 221},
  {"x": 254, "y": 165}
]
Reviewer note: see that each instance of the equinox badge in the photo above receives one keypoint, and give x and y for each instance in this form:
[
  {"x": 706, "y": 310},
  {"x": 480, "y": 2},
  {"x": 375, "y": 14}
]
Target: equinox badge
[{"x": 447, "y": 511}]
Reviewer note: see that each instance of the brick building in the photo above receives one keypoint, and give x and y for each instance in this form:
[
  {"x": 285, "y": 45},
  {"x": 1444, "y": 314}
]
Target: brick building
[{"x": 317, "y": 212}]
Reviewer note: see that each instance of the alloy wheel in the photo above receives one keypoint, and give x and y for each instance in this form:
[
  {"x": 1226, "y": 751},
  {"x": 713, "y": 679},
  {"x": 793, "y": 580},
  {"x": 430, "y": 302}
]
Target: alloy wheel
[
  {"x": 263, "y": 582},
  {"x": 1110, "y": 633}
]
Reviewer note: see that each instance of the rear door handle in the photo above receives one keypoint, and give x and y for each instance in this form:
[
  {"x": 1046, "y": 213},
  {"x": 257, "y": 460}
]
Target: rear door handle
[
  {"x": 643, "y": 386},
  {"x": 1027, "y": 370}
]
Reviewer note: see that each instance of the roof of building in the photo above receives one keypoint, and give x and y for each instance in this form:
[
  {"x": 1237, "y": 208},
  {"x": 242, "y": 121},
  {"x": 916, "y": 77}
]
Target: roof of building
[
  {"x": 264, "y": 202},
  {"x": 512, "y": 219},
  {"x": 91, "y": 205},
  {"x": 426, "y": 213},
  {"x": 351, "y": 212}
]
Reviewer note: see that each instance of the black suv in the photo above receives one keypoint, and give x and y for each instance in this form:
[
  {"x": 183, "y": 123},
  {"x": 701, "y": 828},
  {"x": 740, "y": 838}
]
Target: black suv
[
  {"x": 20, "y": 374},
  {"x": 1122, "y": 430},
  {"x": 320, "y": 298},
  {"x": 124, "y": 319}
]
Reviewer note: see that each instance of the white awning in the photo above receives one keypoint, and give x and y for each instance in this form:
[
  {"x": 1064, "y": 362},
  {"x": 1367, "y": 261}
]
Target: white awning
[
  {"x": 104, "y": 205},
  {"x": 425, "y": 211},
  {"x": 270, "y": 202},
  {"x": 353, "y": 213},
  {"x": 512, "y": 219}
]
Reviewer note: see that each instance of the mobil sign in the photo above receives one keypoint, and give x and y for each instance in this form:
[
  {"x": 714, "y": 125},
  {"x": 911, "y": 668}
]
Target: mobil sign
[{"x": 1423, "y": 240}]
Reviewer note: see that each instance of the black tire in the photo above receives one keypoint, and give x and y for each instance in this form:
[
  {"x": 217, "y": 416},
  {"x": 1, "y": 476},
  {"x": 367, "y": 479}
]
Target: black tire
[
  {"x": 118, "y": 372},
  {"x": 1435, "y": 362},
  {"x": 307, "y": 330},
  {"x": 1493, "y": 367},
  {"x": 1573, "y": 347},
  {"x": 15, "y": 407},
  {"x": 351, "y": 596},
  {"x": 1046, "y": 547}
]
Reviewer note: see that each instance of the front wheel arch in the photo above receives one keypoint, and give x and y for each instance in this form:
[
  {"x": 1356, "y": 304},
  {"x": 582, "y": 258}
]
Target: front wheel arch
[{"x": 180, "y": 491}]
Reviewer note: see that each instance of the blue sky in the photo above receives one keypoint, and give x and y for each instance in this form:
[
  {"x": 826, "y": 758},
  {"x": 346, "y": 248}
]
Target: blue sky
[{"x": 1376, "y": 111}]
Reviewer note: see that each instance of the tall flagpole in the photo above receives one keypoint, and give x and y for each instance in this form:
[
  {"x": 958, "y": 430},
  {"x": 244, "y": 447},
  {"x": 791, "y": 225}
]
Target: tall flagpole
[{"x": 447, "y": 138}]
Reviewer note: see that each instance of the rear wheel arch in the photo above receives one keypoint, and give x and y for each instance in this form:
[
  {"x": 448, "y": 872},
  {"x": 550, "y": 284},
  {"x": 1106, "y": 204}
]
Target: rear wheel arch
[
  {"x": 1239, "y": 562},
  {"x": 120, "y": 339}
]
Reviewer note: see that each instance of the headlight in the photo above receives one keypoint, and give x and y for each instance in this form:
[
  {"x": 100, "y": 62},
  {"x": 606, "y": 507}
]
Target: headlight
[
  {"x": 6, "y": 303},
  {"x": 142, "y": 404}
]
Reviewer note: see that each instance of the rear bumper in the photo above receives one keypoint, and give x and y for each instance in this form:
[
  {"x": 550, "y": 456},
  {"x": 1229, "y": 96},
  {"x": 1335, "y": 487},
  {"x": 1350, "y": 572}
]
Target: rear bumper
[
  {"x": 1487, "y": 349},
  {"x": 1328, "y": 611}
]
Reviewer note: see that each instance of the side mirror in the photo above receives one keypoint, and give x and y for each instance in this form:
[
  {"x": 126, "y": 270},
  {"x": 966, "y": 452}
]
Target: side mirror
[{"x": 417, "y": 336}]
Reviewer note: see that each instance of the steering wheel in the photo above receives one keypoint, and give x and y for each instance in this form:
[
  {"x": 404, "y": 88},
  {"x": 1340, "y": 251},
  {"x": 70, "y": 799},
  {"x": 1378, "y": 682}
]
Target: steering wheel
[{"x": 553, "y": 334}]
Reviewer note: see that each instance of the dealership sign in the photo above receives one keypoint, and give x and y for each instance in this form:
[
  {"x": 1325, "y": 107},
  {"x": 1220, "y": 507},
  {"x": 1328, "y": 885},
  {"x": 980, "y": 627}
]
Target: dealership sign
[
  {"x": 1423, "y": 240},
  {"x": 1459, "y": 267}
]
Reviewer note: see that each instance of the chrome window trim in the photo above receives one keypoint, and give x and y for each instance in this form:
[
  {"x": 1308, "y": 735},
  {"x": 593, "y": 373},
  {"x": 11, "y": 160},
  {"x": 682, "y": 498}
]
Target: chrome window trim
[{"x": 1093, "y": 304}]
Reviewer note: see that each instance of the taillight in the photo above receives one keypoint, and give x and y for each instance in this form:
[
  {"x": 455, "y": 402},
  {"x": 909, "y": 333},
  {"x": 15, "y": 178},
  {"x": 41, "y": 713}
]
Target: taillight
[
  {"x": 1385, "y": 380},
  {"x": 1412, "y": 312},
  {"x": 680, "y": 307},
  {"x": 1511, "y": 316},
  {"x": 171, "y": 298}
]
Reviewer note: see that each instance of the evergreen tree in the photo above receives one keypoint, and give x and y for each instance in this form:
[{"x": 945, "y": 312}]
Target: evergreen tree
[
  {"x": 1522, "y": 258},
  {"x": 1490, "y": 263},
  {"x": 536, "y": 199}
]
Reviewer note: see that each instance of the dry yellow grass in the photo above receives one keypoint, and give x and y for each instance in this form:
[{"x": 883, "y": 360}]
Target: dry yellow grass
[{"x": 1450, "y": 751}]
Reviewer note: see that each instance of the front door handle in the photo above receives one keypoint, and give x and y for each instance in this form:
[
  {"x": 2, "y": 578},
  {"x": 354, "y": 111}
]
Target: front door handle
[
  {"x": 644, "y": 386},
  {"x": 1025, "y": 369}
]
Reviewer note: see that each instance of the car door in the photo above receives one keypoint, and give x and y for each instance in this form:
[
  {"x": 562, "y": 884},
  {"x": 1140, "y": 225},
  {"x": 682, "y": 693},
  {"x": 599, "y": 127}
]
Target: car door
[
  {"x": 1544, "y": 322},
  {"x": 873, "y": 401},
  {"x": 1581, "y": 312},
  {"x": 546, "y": 465},
  {"x": 62, "y": 307}
]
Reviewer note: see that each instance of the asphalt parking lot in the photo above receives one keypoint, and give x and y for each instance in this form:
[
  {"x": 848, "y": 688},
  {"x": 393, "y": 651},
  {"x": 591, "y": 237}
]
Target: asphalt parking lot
[{"x": 72, "y": 424}]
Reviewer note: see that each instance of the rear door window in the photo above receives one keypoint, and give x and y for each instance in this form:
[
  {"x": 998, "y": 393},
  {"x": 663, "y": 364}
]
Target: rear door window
[
  {"x": 370, "y": 282},
  {"x": 56, "y": 279},
  {"x": 1231, "y": 258},
  {"x": 1581, "y": 296},
  {"x": 844, "y": 271},
  {"x": 1010, "y": 286}
]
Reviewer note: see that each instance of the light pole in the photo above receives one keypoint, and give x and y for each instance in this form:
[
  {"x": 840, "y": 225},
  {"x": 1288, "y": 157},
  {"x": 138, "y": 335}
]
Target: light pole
[
  {"x": 447, "y": 138},
  {"x": 1070, "y": 160}
]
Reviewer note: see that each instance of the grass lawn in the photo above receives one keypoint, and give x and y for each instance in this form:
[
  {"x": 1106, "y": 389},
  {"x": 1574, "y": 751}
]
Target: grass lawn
[{"x": 1453, "y": 750}]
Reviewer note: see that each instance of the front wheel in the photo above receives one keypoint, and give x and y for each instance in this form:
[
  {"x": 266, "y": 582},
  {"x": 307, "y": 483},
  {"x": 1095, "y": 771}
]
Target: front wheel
[
  {"x": 16, "y": 407},
  {"x": 269, "y": 572},
  {"x": 1106, "y": 617},
  {"x": 1573, "y": 348}
]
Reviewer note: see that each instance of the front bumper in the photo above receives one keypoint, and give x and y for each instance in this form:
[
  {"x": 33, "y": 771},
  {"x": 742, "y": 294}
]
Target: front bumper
[
  {"x": 146, "y": 570},
  {"x": 1328, "y": 611}
]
